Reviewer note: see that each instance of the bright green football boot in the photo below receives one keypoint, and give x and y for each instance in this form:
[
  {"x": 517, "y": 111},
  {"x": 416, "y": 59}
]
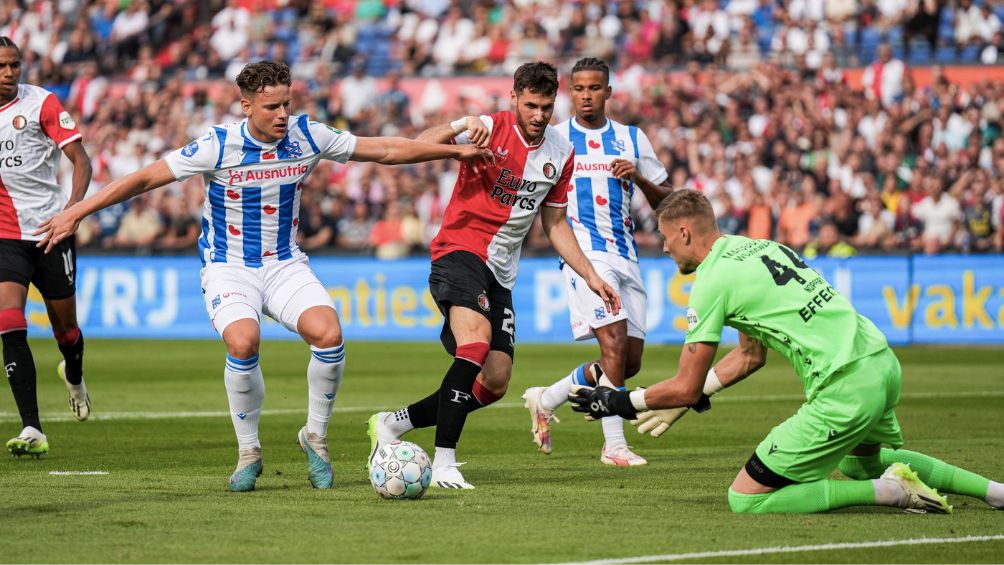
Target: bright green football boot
[
  {"x": 29, "y": 442},
  {"x": 249, "y": 468},
  {"x": 318, "y": 462},
  {"x": 919, "y": 498}
]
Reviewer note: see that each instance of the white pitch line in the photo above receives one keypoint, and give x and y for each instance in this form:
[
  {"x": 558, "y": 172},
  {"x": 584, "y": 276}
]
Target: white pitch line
[
  {"x": 787, "y": 549},
  {"x": 61, "y": 473},
  {"x": 6, "y": 417}
]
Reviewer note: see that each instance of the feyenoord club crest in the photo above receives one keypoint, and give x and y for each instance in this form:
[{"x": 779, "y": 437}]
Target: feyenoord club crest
[
  {"x": 19, "y": 122},
  {"x": 483, "y": 301},
  {"x": 549, "y": 171}
]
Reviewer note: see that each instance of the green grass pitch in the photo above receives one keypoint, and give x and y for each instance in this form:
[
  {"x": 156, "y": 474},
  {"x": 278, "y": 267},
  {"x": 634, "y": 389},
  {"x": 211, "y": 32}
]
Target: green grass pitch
[{"x": 161, "y": 432}]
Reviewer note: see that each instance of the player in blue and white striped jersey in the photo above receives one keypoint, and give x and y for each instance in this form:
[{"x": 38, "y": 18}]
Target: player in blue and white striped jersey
[
  {"x": 611, "y": 160},
  {"x": 253, "y": 172}
]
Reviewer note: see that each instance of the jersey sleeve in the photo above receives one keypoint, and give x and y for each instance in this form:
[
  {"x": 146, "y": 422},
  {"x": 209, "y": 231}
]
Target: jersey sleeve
[
  {"x": 57, "y": 123},
  {"x": 648, "y": 164},
  {"x": 557, "y": 197},
  {"x": 200, "y": 156},
  {"x": 705, "y": 312},
  {"x": 333, "y": 144},
  {"x": 465, "y": 138}
]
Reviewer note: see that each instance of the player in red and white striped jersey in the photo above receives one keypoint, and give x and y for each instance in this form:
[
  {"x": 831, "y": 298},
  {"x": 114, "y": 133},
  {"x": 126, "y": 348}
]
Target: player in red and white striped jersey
[
  {"x": 475, "y": 257},
  {"x": 34, "y": 127}
]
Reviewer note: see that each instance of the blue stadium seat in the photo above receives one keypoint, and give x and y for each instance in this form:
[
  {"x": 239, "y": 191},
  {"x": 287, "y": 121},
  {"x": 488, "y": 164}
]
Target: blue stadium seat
[
  {"x": 870, "y": 39},
  {"x": 920, "y": 53},
  {"x": 945, "y": 54},
  {"x": 971, "y": 54}
]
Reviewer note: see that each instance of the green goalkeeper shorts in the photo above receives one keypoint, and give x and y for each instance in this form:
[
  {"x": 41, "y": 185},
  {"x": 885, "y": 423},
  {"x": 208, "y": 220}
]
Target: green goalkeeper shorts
[{"x": 854, "y": 408}]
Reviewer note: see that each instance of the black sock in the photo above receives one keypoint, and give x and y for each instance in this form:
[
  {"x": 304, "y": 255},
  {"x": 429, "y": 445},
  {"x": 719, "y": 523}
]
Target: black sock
[
  {"x": 74, "y": 356},
  {"x": 454, "y": 394},
  {"x": 20, "y": 366},
  {"x": 423, "y": 413}
]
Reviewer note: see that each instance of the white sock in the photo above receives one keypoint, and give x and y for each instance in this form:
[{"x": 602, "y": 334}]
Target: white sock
[
  {"x": 399, "y": 422},
  {"x": 246, "y": 393},
  {"x": 557, "y": 394},
  {"x": 324, "y": 375},
  {"x": 613, "y": 431},
  {"x": 889, "y": 493},
  {"x": 444, "y": 457},
  {"x": 995, "y": 495}
]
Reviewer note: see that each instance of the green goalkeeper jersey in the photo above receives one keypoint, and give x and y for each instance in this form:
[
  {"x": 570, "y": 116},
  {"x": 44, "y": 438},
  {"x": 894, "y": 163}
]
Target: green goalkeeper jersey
[{"x": 765, "y": 290}]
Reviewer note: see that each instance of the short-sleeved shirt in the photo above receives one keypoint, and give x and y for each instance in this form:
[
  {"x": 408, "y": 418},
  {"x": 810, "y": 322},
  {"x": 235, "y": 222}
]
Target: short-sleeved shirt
[
  {"x": 765, "y": 290},
  {"x": 34, "y": 127},
  {"x": 493, "y": 206},
  {"x": 599, "y": 208},
  {"x": 253, "y": 188}
]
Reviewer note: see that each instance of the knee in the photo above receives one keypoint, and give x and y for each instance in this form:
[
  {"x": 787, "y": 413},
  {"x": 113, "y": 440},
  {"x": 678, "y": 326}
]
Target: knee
[
  {"x": 743, "y": 503},
  {"x": 861, "y": 468},
  {"x": 242, "y": 347},
  {"x": 328, "y": 338},
  {"x": 495, "y": 380}
]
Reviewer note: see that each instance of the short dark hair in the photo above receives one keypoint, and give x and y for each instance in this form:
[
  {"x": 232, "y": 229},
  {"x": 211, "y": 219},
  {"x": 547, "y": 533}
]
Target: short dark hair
[
  {"x": 254, "y": 77},
  {"x": 592, "y": 64},
  {"x": 686, "y": 204},
  {"x": 538, "y": 78},
  {"x": 9, "y": 43}
]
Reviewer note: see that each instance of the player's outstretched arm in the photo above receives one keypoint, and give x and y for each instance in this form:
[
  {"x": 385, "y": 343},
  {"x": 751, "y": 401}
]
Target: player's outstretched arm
[
  {"x": 64, "y": 224},
  {"x": 399, "y": 151},
  {"x": 682, "y": 391},
  {"x": 557, "y": 230},
  {"x": 477, "y": 132}
]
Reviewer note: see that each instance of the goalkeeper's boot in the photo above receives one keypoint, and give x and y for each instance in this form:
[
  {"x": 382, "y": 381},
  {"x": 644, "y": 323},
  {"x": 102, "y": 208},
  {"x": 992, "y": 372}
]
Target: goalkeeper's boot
[
  {"x": 29, "y": 442},
  {"x": 540, "y": 418},
  {"x": 379, "y": 432},
  {"x": 917, "y": 498},
  {"x": 80, "y": 402},
  {"x": 620, "y": 455},
  {"x": 449, "y": 476},
  {"x": 248, "y": 470},
  {"x": 318, "y": 461}
]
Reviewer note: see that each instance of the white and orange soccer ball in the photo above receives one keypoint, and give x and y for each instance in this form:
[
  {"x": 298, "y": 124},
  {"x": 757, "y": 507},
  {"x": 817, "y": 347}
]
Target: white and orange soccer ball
[{"x": 400, "y": 469}]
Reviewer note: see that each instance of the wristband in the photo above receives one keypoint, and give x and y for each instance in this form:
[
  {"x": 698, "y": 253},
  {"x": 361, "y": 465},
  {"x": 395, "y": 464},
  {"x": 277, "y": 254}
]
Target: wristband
[
  {"x": 459, "y": 126},
  {"x": 712, "y": 384},
  {"x": 638, "y": 399},
  {"x": 703, "y": 404}
]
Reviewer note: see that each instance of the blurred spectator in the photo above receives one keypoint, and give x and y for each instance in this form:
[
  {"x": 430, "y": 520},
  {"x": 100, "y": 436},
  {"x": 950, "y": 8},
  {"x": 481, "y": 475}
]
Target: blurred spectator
[
  {"x": 828, "y": 244},
  {"x": 139, "y": 227},
  {"x": 883, "y": 79},
  {"x": 940, "y": 214},
  {"x": 354, "y": 231}
]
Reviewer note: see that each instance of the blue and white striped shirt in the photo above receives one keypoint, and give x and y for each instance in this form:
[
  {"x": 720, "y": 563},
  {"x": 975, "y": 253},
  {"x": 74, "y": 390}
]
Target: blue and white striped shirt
[
  {"x": 253, "y": 188},
  {"x": 600, "y": 211}
]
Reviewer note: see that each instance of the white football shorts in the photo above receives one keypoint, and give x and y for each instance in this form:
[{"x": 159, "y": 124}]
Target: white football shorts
[
  {"x": 587, "y": 311},
  {"x": 282, "y": 290}
]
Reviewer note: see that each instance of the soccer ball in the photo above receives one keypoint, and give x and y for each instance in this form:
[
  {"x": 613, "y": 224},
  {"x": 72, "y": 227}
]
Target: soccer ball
[{"x": 400, "y": 469}]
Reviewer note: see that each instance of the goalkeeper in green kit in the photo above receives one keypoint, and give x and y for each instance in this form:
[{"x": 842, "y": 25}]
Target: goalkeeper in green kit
[{"x": 850, "y": 376}]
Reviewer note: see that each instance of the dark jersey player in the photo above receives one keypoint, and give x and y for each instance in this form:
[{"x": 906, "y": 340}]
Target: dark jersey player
[
  {"x": 475, "y": 257},
  {"x": 34, "y": 128}
]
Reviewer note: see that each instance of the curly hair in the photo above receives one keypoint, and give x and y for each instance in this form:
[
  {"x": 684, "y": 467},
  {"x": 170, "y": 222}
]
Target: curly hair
[
  {"x": 254, "y": 77},
  {"x": 538, "y": 78},
  {"x": 592, "y": 64}
]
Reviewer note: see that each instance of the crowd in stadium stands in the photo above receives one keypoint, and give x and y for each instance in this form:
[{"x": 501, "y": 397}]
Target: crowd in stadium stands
[{"x": 763, "y": 120}]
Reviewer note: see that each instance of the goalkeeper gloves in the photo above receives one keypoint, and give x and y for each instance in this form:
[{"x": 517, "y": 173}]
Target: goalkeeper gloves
[{"x": 601, "y": 402}]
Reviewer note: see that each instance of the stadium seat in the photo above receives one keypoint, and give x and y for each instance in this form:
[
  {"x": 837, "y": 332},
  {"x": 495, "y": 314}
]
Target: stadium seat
[
  {"x": 970, "y": 54},
  {"x": 920, "y": 52},
  {"x": 945, "y": 54}
]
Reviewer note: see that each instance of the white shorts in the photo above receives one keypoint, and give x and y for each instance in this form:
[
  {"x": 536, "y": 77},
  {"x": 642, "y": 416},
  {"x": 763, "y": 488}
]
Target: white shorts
[
  {"x": 586, "y": 310},
  {"x": 280, "y": 289}
]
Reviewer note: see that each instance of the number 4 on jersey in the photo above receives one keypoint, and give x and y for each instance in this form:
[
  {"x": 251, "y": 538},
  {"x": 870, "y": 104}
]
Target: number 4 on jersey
[{"x": 782, "y": 273}]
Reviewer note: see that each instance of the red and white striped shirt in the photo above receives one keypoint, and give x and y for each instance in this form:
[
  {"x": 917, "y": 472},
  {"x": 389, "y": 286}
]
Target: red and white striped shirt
[
  {"x": 34, "y": 127},
  {"x": 493, "y": 206}
]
